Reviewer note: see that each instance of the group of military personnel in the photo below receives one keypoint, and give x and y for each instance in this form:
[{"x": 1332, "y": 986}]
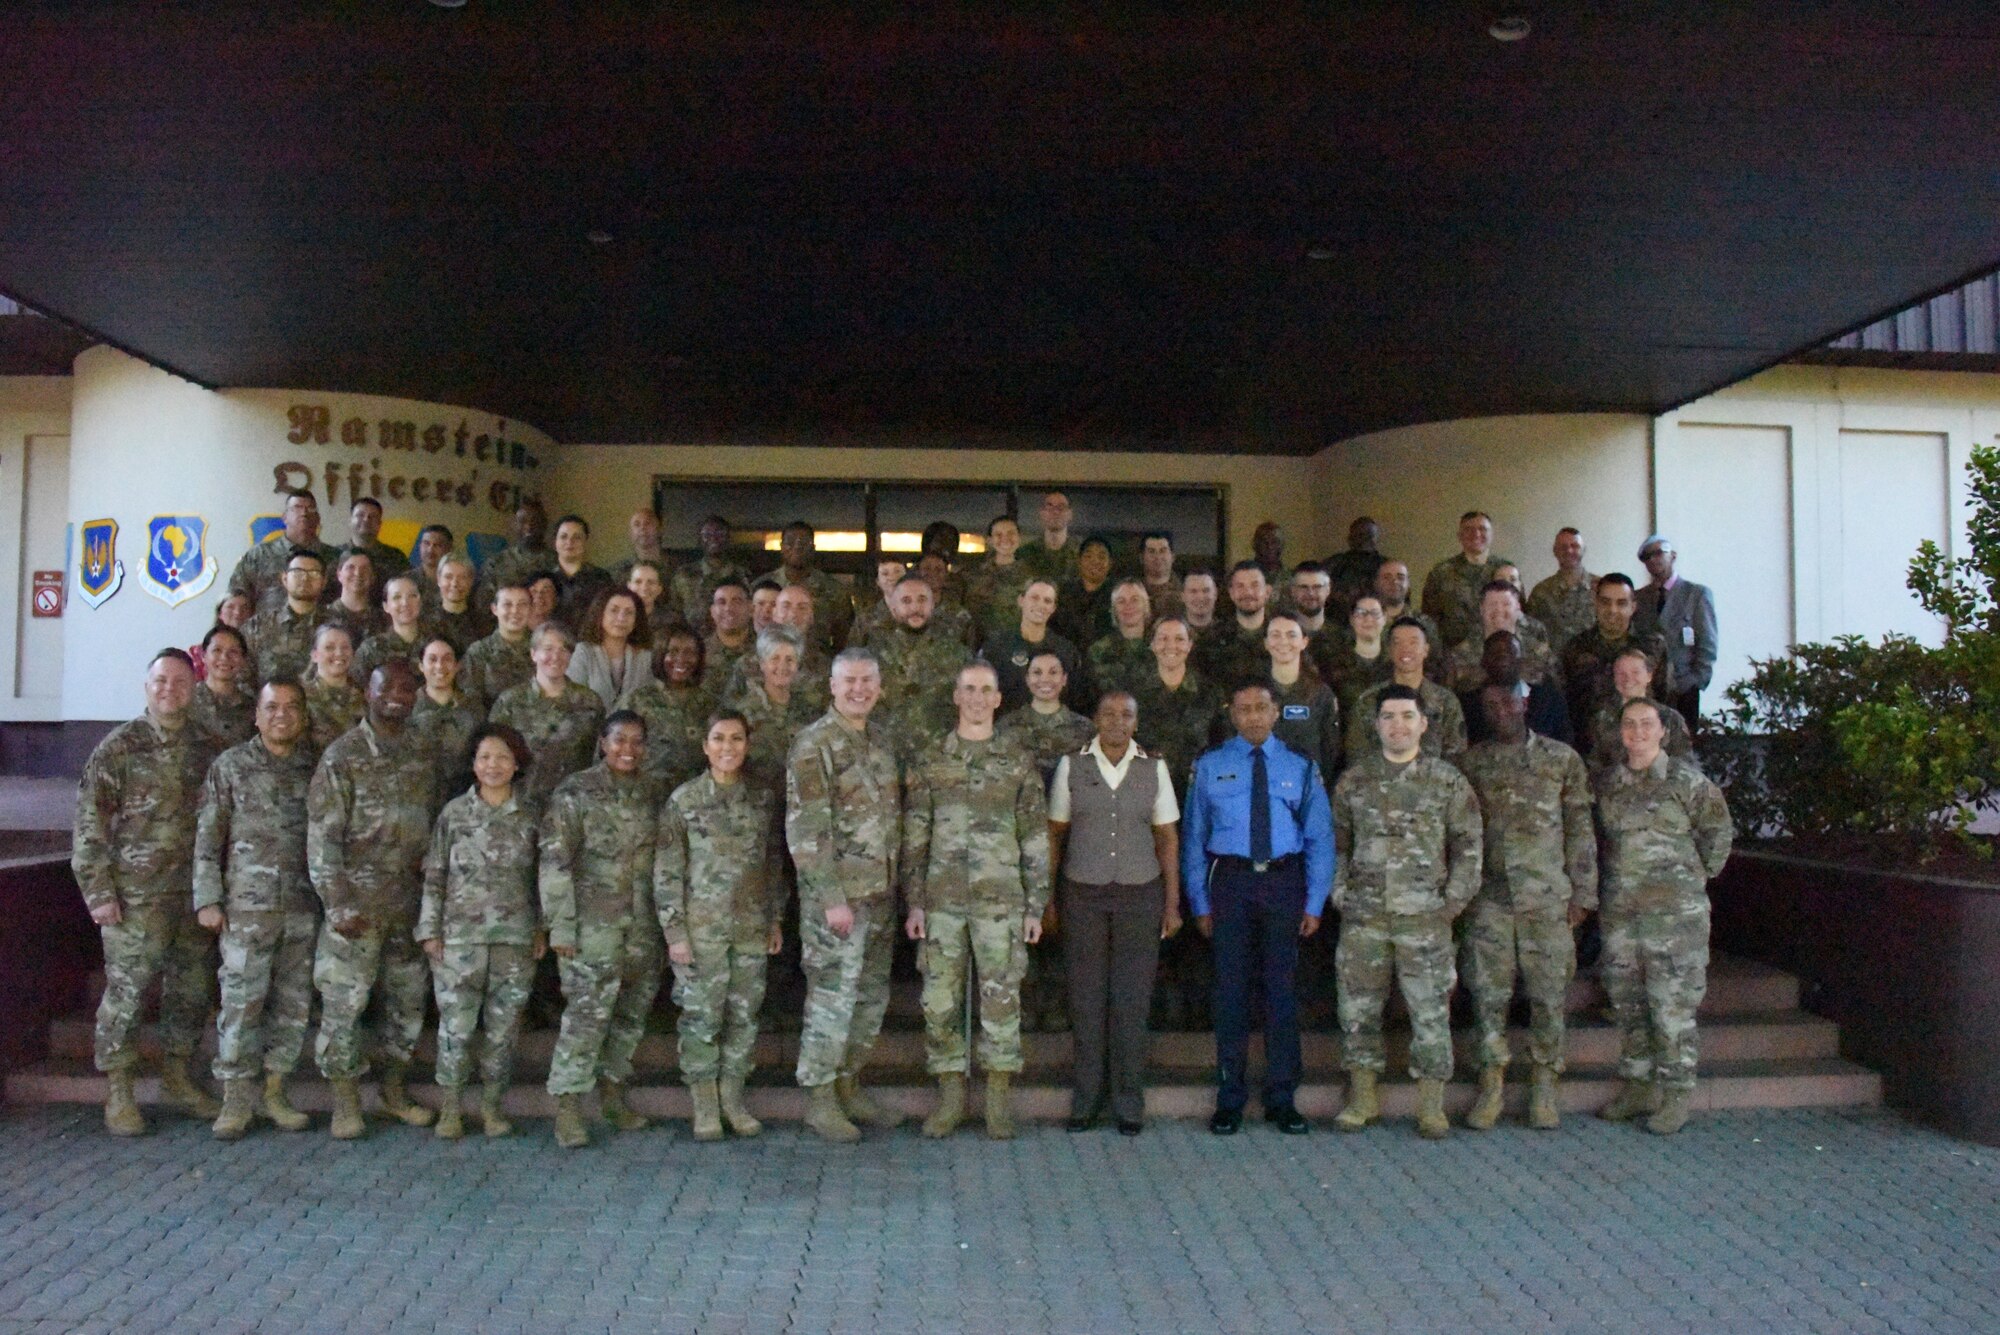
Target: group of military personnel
[{"x": 383, "y": 795}]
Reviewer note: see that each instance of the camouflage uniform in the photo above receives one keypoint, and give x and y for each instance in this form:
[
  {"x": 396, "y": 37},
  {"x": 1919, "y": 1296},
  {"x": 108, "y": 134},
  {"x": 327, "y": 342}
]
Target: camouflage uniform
[
  {"x": 463, "y": 629},
  {"x": 1407, "y": 839},
  {"x": 1452, "y": 592},
  {"x": 1046, "y": 737},
  {"x": 1309, "y": 723},
  {"x": 1043, "y": 562},
  {"x": 1347, "y": 672},
  {"x": 975, "y": 858},
  {"x": 387, "y": 561},
  {"x": 1607, "y": 747},
  {"x": 1567, "y": 610},
  {"x": 561, "y": 733},
  {"x": 833, "y": 607},
  {"x": 444, "y": 733},
  {"x": 281, "y": 641},
  {"x": 692, "y": 588},
  {"x": 386, "y": 645},
  {"x": 918, "y": 673},
  {"x": 512, "y": 565},
  {"x": 1665, "y": 831},
  {"x": 261, "y": 572},
  {"x": 369, "y": 621},
  {"x": 597, "y": 896},
  {"x": 676, "y": 724},
  {"x": 843, "y": 810},
  {"x": 993, "y": 594},
  {"x": 479, "y": 901},
  {"x": 718, "y": 887},
  {"x": 815, "y": 672},
  {"x": 1541, "y": 860},
  {"x": 494, "y": 666},
  {"x": 718, "y": 660},
  {"x": 1119, "y": 664},
  {"x": 250, "y": 861},
  {"x": 1226, "y": 653},
  {"x": 368, "y": 825},
  {"x": 1176, "y": 725},
  {"x": 878, "y": 618},
  {"x": 134, "y": 847},
  {"x": 226, "y": 722},
  {"x": 773, "y": 728},
  {"x": 1587, "y": 663},
  {"x": 1463, "y": 672},
  {"x": 332, "y": 709},
  {"x": 1444, "y": 735}
]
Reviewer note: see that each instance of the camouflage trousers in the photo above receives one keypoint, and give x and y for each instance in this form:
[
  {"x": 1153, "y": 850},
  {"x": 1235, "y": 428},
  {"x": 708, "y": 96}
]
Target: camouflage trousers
[
  {"x": 847, "y": 990},
  {"x": 1536, "y": 945},
  {"x": 608, "y": 987},
  {"x": 1655, "y": 968},
  {"x": 481, "y": 989},
  {"x": 267, "y": 991},
  {"x": 157, "y": 940},
  {"x": 720, "y": 995},
  {"x": 1417, "y": 948},
  {"x": 383, "y": 963},
  {"x": 958, "y": 947}
]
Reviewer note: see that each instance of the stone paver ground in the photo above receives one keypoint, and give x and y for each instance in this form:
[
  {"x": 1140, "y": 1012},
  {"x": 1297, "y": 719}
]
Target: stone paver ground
[{"x": 1756, "y": 1221}]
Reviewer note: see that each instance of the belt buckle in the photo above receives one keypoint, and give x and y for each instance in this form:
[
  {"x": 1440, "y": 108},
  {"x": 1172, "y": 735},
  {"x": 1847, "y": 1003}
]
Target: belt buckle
[{"x": 1260, "y": 867}]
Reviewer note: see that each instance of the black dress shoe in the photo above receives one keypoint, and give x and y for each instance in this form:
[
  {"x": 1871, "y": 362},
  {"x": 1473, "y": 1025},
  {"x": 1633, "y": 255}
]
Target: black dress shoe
[
  {"x": 1130, "y": 1127},
  {"x": 1226, "y": 1122},
  {"x": 1287, "y": 1119},
  {"x": 1081, "y": 1123}
]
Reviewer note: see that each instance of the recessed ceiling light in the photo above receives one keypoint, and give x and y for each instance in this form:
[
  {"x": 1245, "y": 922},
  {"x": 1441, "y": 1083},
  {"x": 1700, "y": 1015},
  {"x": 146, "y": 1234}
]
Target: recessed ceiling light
[
  {"x": 597, "y": 236},
  {"x": 1511, "y": 28},
  {"x": 449, "y": 4}
]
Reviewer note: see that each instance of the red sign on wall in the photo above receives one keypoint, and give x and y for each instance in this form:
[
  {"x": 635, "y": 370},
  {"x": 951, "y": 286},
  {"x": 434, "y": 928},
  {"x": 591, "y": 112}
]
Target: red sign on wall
[{"x": 48, "y": 595}]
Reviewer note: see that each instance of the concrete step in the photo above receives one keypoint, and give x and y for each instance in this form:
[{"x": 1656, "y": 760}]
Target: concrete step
[
  {"x": 1743, "y": 1036},
  {"x": 1783, "y": 1083}
]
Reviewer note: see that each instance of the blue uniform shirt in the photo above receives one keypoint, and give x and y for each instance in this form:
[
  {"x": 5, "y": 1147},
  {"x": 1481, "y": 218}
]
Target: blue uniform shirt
[{"x": 1217, "y": 820}]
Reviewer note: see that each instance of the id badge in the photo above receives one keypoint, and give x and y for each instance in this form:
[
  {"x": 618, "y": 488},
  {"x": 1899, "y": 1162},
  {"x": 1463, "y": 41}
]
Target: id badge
[{"x": 1687, "y": 637}]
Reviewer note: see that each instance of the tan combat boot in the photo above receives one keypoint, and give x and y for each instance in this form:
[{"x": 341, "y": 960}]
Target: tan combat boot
[
  {"x": 239, "y": 1105},
  {"x": 729, "y": 1091},
  {"x": 1673, "y": 1112},
  {"x": 1431, "y": 1123},
  {"x": 950, "y": 1112},
  {"x": 827, "y": 1118},
  {"x": 451, "y": 1117},
  {"x": 1363, "y": 1106},
  {"x": 1492, "y": 1089},
  {"x": 1633, "y": 1098},
  {"x": 179, "y": 1089},
  {"x": 490, "y": 1114},
  {"x": 999, "y": 1116},
  {"x": 1543, "y": 1114},
  {"x": 707, "y": 1110},
  {"x": 611, "y": 1102},
  {"x": 571, "y": 1133},
  {"x": 348, "y": 1124},
  {"x": 279, "y": 1108},
  {"x": 121, "y": 1109},
  {"x": 396, "y": 1098},
  {"x": 859, "y": 1107}
]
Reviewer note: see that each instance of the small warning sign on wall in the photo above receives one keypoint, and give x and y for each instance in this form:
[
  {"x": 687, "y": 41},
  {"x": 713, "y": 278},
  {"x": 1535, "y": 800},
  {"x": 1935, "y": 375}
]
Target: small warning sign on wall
[{"x": 48, "y": 595}]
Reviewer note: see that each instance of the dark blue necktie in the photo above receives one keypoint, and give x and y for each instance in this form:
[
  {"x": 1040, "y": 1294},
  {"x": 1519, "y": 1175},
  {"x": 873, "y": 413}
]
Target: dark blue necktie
[{"x": 1260, "y": 808}]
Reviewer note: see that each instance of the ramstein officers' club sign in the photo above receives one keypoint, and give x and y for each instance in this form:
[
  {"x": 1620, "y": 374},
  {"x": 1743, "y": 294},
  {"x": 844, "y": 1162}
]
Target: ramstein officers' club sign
[{"x": 440, "y": 464}]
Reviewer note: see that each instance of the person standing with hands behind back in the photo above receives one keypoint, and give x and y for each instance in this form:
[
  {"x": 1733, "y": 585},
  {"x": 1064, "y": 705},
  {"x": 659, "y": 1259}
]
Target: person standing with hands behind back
[{"x": 1257, "y": 860}]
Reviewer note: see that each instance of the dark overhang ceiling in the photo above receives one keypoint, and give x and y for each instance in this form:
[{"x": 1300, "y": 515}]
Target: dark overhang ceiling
[{"x": 1257, "y": 227}]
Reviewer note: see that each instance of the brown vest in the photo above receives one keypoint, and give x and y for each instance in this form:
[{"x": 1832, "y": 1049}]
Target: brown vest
[{"x": 1111, "y": 830}]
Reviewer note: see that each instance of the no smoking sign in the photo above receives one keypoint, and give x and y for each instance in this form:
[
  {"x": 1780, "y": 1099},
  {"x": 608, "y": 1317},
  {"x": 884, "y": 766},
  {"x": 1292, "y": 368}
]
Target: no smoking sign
[{"x": 48, "y": 593}]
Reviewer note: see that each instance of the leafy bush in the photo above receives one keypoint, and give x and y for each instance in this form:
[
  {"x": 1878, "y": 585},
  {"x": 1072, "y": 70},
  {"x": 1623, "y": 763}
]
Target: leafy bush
[{"x": 1893, "y": 738}]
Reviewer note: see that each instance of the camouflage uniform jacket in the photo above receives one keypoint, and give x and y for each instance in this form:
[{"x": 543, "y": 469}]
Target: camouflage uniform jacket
[
  {"x": 464, "y": 629},
  {"x": 843, "y": 814},
  {"x": 1226, "y": 653},
  {"x": 1346, "y": 671},
  {"x": 815, "y": 671},
  {"x": 1587, "y": 670},
  {"x": 1452, "y": 591},
  {"x": 876, "y": 619},
  {"x": 332, "y": 709},
  {"x": 250, "y": 839},
  {"x": 1666, "y": 831},
  {"x": 833, "y": 606},
  {"x": 369, "y": 621},
  {"x": 1607, "y": 748},
  {"x": 494, "y": 666},
  {"x": 976, "y": 830},
  {"x": 692, "y": 588},
  {"x": 368, "y": 826},
  {"x": 993, "y": 592},
  {"x": 773, "y": 728},
  {"x": 597, "y": 855},
  {"x": 1462, "y": 670},
  {"x": 1119, "y": 664},
  {"x": 513, "y": 565},
  {"x": 380, "y": 648},
  {"x": 227, "y": 722},
  {"x": 918, "y": 672},
  {"x": 135, "y": 813},
  {"x": 561, "y": 732},
  {"x": 1044, "y": 562},
  {"x": 479, "y": 875},
  {"x": 718, "y": 660},
  {"x": 1047, "y": 737},
  {"x": 676, "y": 724},
  {"x": 444, "y": 732},
  {"x": 719, "y": 869},
  {"x": 1407, "y": 838},
  {"x": 281, "y": 640},
  {"x": 260, "y": 574},
  {"x": 1541, "y": 848},
  {"x": 1567, "y": 610},
  {"x": 386, "y": 561},
  {"x": 1177, "y": 725},
  {"x": 1444, "y": 734}
]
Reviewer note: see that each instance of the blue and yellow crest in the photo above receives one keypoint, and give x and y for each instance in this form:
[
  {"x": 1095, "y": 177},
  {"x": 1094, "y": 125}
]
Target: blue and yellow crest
[
  {"x": 100, "y": 574},
  {"x": 178, "y": 563},
  {"x": 266, "y": 527}
]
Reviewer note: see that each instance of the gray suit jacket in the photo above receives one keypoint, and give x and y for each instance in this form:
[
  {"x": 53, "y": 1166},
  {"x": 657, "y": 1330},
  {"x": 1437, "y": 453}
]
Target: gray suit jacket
[{"x": 1688, "y": 621}]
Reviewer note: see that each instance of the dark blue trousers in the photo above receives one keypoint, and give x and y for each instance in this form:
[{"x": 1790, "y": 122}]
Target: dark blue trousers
[{"x": 1256, "y": 920}]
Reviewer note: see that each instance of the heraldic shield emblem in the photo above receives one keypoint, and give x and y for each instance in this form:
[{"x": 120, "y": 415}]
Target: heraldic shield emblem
[
  {"x": 101, "y": 573},
  {"x": 178, "y": 563}
]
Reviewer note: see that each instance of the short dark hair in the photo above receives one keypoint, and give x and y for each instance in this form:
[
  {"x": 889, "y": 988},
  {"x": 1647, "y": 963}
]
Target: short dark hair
[
  {"x": 1153, "y": 533},
  {"x": 1401, "y": 622},
  {"x": 523, "y": 757},
  {"x": 1243, "y": 684},
  {"x": 366, "y": 500},
  {"x": 711, "y": 519},
  {"x": 1570, "y": 530},
  {"x": 519, "y": 584},
  {"x": 618, "y": 718},
  {"x": 911, "y": 577},
  {"x": 300, "y": 494},
  {"x": 1393, "y": 691},
  {"x": 283, "y": 684},
  {"x": 180, "y": 656},
  {"x": 449, "y": 536},
  {"x": 1499, "y": 586},
  {"x": 680, "y": 630},
  {"x": 795, "y": 525},
  {"x": 576, "y": 519},
  {"x": 1196, "y": 570},
  {"x": 1615, "y": 577},
  {"x": 315, "y": 558},
  {"x": 763, "y": 582},
  {"x": 725, "y": 716},
  {"x": 1094, "y": 540},
  {"x": 731, "y": 583},
  {"x": 223, "y": 628},
  {"x": 1247, "y": 564},
  {"x": 1475, "y": 514}
]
